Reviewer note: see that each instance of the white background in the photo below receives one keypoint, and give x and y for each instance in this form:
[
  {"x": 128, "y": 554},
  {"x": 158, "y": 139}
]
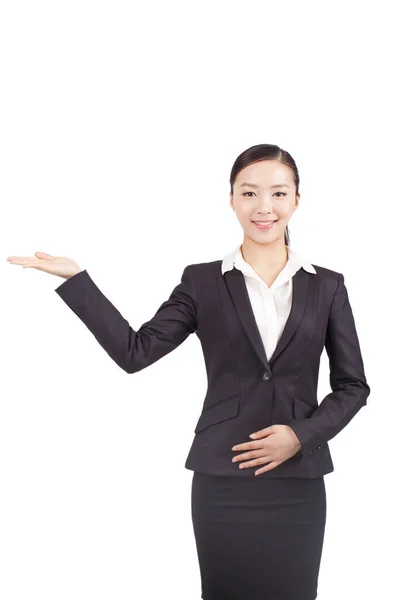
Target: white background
[{"x": 120, "y": 122}]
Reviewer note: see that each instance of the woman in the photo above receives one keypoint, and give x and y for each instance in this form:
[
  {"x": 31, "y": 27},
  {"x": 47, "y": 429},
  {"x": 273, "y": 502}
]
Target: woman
[{"x": 263, "y": 316}]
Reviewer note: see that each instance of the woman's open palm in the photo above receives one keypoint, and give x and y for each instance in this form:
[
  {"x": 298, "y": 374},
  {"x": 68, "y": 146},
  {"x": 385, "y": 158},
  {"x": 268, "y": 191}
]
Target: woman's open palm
[{"x": 55, "y": 265}]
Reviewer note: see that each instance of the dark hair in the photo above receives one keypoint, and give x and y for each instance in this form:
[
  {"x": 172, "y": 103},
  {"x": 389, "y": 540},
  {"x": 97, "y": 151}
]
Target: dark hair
[{"x": 265, "y": 152}]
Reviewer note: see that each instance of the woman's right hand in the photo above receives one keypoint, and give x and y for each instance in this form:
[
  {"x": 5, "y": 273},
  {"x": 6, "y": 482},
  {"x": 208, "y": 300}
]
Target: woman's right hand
[{"x": 55, "y": 265}]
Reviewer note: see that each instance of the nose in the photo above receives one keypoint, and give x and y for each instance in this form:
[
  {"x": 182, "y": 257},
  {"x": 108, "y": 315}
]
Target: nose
[{"x": 265, "y": 204}]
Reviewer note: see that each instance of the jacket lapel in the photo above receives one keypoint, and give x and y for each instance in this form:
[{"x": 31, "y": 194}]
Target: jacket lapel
[{"x": 236, "y": 284}]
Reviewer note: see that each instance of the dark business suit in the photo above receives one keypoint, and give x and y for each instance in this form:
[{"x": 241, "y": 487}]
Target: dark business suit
[{"x": 245, "y": 393}]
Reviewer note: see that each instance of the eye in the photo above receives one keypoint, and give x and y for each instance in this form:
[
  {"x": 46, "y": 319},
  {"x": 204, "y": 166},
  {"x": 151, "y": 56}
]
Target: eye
[{"x": 283, "y": 193}]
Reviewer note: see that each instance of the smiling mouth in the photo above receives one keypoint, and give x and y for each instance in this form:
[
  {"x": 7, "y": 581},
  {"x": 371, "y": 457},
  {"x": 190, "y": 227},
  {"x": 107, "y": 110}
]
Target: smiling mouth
[{"x": 264, "y": 224}]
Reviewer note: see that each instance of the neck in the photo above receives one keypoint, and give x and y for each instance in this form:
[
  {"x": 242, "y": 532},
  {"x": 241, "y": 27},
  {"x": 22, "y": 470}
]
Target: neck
[{"x": 271, "y": 255}]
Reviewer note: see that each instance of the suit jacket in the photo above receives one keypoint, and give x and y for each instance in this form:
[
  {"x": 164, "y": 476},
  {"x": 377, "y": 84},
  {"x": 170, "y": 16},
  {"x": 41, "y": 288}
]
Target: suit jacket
[{"x": 245, "y": 391}]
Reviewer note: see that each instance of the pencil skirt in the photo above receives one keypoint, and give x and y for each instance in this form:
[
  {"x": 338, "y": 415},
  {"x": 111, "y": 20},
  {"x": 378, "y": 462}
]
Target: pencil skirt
[{"x": 258, "y": 538}]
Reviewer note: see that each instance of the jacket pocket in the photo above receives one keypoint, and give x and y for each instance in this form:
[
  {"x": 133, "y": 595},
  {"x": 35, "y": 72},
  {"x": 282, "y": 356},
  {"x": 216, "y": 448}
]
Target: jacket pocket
[
  {"x": 227, "y": 408},
  {"x": 302, "y": 408}
]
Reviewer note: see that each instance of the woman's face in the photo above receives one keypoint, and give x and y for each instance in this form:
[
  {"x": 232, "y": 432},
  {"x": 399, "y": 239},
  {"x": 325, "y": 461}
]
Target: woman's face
[{"x": 264, "y": 191}]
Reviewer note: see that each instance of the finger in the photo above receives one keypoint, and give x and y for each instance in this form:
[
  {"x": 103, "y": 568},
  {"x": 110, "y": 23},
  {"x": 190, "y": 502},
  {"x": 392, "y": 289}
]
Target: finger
[
  {"x": 263, "y": 432},
  {"x": 34, "y": 265},
  {"x": 39, "y": 256},
  {"x": 29, "y": 262},
  {"x": 254, "y": 463},
  {"x": 249, "y": 446},
  {"x": 20, "y": 259},
  {"x": 253, "y": 454},
  {"x": 272, "y": 465},
  {"x": 44, "y": 255}
]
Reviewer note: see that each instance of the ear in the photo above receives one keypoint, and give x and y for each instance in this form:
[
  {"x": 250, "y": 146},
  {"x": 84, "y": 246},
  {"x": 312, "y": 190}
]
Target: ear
[
  {"x": 297, "y": 202},
  {"x": 231, "y": 202}
]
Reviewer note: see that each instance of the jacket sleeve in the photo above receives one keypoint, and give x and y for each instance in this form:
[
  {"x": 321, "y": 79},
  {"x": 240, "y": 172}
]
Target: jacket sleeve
[
  {"x": 347, "y": 378},
  {"x": 133, "y": 350}
]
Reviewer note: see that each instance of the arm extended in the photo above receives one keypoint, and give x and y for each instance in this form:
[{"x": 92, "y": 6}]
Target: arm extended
[{"x": 133, "y": 350}]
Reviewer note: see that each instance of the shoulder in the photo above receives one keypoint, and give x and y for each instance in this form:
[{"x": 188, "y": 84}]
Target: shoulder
[
  {"x": 332, "y": 281},
  {"x": 204, "y": 267},
  {"x": 325, "y": 273}
]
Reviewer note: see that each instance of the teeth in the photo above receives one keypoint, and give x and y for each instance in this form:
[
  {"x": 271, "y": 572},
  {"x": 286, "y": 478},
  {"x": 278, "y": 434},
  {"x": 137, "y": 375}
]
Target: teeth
[{"x": 263, "y": 222}]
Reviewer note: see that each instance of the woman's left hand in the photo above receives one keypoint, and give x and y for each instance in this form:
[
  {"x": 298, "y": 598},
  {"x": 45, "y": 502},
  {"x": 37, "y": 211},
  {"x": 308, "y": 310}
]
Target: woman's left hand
[{"x": 272, "y": 445}]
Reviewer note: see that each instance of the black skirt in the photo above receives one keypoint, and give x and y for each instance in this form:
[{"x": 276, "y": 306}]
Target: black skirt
[{"x": 258, "y": 538}]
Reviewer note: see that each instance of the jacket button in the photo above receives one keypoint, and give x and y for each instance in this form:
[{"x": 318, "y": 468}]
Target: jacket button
[{"x": 266, "y": 375}]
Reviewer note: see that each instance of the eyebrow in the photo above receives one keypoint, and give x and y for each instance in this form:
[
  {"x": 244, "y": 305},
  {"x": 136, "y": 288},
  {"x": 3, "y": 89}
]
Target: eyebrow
[{"x": 277, "y": 185}]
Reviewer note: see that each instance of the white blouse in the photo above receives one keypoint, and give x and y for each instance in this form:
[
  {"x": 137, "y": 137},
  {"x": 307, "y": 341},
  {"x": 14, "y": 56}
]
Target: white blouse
[{"x": 271, "y": 305}]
